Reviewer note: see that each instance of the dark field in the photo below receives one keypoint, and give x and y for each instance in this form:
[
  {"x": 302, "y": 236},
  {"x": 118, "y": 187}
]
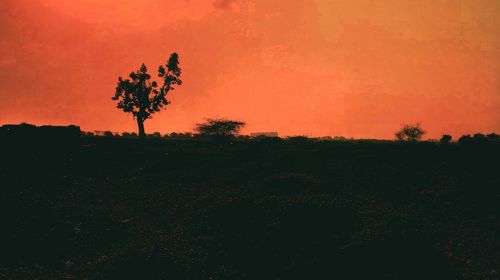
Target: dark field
[{"x": 165, "y": 209}]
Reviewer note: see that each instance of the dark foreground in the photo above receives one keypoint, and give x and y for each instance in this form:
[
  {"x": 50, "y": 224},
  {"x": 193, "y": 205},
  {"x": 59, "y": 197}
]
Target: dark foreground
[{"x": 120, "y": 209}]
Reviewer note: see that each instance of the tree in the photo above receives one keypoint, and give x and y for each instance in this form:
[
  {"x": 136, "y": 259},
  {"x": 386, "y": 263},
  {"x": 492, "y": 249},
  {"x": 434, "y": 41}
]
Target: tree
[
  {"x": 445, "y": 139},
  {"x": 480, "y": 138},
  {"x": 493, "y": 137},
  {"x": 410, "y": 132},
  {"x": 156, "y": 135},
  {"x": 465, "y": 139},
  {"x": 142, "y": 97},
  {"x": 219, "y": 128}
]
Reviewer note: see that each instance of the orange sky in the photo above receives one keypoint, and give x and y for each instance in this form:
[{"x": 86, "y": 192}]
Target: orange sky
[{"x": 357, "y": 68}]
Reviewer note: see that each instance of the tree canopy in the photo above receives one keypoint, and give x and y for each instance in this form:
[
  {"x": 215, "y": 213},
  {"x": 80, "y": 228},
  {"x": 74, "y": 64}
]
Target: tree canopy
[
  {"x": 219, "y": 127},
  {"x": 410, "y": 132},
  {"x": 141, "y": 96}
]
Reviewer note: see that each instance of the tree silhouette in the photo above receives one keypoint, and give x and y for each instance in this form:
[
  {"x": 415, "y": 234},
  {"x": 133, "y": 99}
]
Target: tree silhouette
[
  {"x": 143, "y": 97},
  {"x": 493, "y": 137},
  {"x": 445, "y": 139},
  {"x": 465, "y": 139},
  {"x": 108, "y": 133},
  {"x": 220, "y": 128},
  {"x": 480, "y": 138},
  {"x": 410, "y": 132}
]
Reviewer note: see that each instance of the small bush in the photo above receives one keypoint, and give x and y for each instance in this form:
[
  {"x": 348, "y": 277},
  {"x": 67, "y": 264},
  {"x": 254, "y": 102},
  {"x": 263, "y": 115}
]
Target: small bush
[
  {"x": 479, "y": 138},
  {"x": 299, "y": 139},
  {"x": 410, "y": 133},
  {"x": 446, "y": 139},
  {"x": 219, "y": 128},
  {"x": 465, "y": 139},
  {"x": 493, "y": 137}
]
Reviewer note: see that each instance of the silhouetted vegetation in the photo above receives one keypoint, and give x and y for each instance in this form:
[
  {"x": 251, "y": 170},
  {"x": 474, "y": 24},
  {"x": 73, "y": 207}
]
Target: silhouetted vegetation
[
  {"x": 446, "y": 139},
  {"x": 410, "y": 132},
  {"x": 261, "y": 138},
  {"x": 478, "y": 138},
  {"x": 264, "y": 134},
  {"x": 142, "y": 97},
  {"x": 299, "y": 139},
  {"x": 493, "y": 137},
  {"x": 219, "y": 128},
  {"x": 465, "y": 139}
]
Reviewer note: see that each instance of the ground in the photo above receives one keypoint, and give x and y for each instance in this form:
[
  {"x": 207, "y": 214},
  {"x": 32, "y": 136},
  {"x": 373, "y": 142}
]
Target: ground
[{"x": 112, "y": 208}]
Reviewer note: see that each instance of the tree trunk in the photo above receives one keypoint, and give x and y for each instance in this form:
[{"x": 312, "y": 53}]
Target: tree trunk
[{"x": 140, "y": 124}]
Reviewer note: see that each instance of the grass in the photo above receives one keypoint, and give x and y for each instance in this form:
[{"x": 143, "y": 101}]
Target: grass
[{"x": 111, "y": 208}]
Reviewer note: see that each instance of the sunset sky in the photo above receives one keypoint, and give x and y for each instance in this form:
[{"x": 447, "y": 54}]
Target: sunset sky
[{"x": 357, "y": 68}]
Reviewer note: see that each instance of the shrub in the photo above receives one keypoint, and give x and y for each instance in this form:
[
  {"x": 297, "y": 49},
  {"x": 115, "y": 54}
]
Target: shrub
[
  {"x": 493, "y": 137},
  {"x": 446, "y": 139},
  {"x": 299, "y": 139},
  {"x": 465, "y": 139},
  {"x": 410, "y": 132},
  {"x": 219, "y": 128},
  {"x": 479, "y": 137}
]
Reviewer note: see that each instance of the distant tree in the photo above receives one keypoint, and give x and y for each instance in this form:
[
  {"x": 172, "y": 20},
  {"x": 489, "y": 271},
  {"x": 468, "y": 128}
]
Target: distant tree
[
  {"x": 299, "y": 139},
  {"x": 126, "y": 134},
  {"x": 220, "y": 128},
  {"x": 244, "y": 137},
  {"x": 174, "y": 135},
  {"x": 184, "y": 135},
  {"x": 465, "y": 139},
  {"x": 493, "y": 137},
  {"x": 133, "y": 134},
  {"x": 142, "y": 97},
  {"x": 108, "y": 133},
  {"x": 445, "y": 139},
  {"x": 410, "y": 132},
  {"x": 156, "y": 134},
  {"x": 479, "y": 138}
]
